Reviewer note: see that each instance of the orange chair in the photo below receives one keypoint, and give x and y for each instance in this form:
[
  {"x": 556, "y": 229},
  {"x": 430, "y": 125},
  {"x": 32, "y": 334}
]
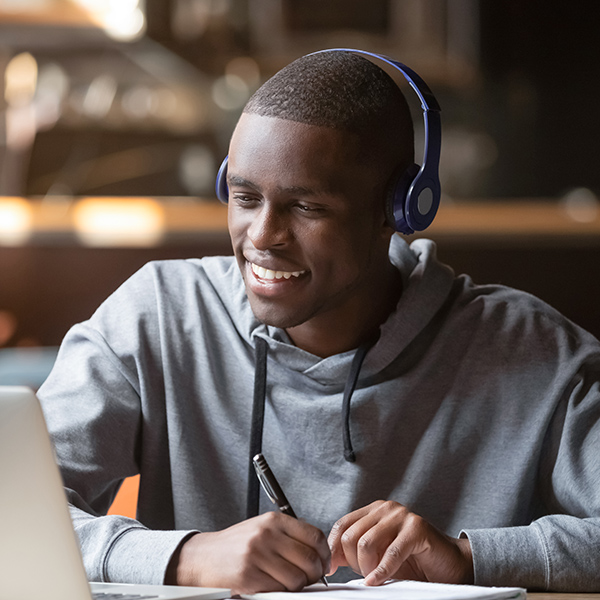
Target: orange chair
[{"x": 125, "y": 502}]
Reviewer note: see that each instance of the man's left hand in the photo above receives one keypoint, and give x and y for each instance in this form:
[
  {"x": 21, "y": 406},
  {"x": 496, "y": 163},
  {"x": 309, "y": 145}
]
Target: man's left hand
[{"x": 384, "y": 540}]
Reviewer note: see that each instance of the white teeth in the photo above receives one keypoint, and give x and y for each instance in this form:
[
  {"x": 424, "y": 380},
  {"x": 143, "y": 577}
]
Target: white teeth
[{"x": 270, "y": 274}]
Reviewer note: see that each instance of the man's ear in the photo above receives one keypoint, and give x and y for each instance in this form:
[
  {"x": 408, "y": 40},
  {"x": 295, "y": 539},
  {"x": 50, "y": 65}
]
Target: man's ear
[
  {"x": 385, "y": 233},
  {"x": 383, "y": 221}
]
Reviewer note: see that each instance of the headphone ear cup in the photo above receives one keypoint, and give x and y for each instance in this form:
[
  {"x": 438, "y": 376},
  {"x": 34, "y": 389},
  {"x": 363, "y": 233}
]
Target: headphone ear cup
[
  {"x": 221, "y": 186},
  {"x": 396, "y": 199}
]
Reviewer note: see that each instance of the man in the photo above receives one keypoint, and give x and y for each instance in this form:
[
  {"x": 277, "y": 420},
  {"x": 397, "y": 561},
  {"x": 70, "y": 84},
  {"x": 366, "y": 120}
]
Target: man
[{"x": 435, "y": 429}]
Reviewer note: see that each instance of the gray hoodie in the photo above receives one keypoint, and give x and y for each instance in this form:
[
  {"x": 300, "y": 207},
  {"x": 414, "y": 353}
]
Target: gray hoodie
[{"x": 478, "y": 408}]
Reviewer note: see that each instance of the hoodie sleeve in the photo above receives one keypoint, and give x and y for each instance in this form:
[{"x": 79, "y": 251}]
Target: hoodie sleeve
[
  {"x": 92, "y": 403},
  {"x": 559, "y": 551}
]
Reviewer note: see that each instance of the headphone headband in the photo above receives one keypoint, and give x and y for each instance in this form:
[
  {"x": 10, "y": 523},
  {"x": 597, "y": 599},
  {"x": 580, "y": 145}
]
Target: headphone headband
[{"x": 415, "y": 196}]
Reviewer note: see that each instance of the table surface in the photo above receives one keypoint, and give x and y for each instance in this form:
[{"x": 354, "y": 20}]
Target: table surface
[{"x": 562, "y": 596}]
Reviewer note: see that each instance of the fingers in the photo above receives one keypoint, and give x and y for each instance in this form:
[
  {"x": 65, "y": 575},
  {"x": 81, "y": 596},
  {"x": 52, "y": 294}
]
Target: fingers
[
  {"x": 336, "y": 541},
  {"x": 384, "y": 540},
  {"x": 360, "y": 539},
  {"x": 278, "y": 573},
  {"x": 306, "y": 549},
  {"x": 393, "y": 564},
  {"x": 267, "y": 553}
]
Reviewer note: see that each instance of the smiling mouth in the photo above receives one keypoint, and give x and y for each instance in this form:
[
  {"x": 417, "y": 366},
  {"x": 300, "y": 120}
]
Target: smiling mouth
[{"x": 271, "y": 275}]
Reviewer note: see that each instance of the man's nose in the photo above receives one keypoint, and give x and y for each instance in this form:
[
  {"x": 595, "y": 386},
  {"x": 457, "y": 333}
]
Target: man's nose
[{"x": 269, "y": 228}]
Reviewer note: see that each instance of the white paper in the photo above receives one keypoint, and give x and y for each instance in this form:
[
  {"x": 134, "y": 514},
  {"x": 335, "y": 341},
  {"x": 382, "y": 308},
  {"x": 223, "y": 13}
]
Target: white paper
[{"x": 395, "y": 590}]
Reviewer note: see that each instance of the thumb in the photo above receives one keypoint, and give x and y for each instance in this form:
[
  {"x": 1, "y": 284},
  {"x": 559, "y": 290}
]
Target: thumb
[{"x": 338, "y": 559}]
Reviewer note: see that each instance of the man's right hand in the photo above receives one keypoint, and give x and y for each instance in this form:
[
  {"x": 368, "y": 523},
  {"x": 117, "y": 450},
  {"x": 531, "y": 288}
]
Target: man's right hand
[{"x": 266, "y": 553}]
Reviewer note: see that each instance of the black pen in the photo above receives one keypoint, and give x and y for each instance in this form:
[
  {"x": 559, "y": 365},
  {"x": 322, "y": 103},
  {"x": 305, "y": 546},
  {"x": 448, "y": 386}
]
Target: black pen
[{"x": 273, "y": 490}]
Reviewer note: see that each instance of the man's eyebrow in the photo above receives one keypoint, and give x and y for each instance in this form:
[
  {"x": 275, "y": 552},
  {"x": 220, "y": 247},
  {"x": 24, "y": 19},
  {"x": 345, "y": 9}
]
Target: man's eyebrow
[
  {"x": 298, "y": 190},
  {"x": 241, "y": 181}
]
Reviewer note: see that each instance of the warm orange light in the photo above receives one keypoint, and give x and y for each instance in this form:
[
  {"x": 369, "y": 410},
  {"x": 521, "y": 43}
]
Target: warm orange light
[
  {"x": 20, "y": 79},
  {"x": 119, "y": 222},
  {"x": 15, "y": 221},
  {"x": 123, "y": 20}
]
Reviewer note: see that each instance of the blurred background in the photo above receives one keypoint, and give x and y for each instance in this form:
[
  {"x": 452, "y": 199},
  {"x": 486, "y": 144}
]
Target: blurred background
[{"x": 115, "y": 115}]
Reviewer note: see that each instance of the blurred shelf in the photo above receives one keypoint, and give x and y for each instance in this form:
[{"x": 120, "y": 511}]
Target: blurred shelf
[
  {"x": 517, "y": 220},
  {"x": 53, "y": 25},
  {"x": 179, "y": 220},
  {"x": 57, "y": 12}
]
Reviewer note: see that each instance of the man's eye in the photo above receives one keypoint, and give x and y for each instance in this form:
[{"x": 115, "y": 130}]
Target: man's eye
[
  {"x": 244, "y": 198},
  {"x": 305, "y": 208}
]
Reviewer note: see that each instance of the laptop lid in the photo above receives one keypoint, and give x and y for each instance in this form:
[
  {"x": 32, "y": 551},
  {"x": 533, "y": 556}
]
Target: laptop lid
[{"x": 39, "y": 551}]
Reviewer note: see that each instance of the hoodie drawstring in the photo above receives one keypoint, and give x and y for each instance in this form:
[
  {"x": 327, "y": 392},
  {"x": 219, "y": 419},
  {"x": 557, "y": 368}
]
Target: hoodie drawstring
[
  {"x": 349, "y": 388},
  {"x": 258, "y": 414},
  {"x": 258, "y": 419}
]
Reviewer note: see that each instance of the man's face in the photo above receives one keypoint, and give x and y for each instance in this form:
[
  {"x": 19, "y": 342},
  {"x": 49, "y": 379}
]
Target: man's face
[{"x": 306, "y": 221}]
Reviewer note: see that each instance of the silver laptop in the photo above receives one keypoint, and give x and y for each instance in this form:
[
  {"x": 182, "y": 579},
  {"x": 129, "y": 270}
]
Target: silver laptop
[{"x": 39, "y": 552}]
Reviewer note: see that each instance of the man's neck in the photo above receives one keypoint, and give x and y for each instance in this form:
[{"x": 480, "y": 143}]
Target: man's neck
[{"x": 326, "y": 334}]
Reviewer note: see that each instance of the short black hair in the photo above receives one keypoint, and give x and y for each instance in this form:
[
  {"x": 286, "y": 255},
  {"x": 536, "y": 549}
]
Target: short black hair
[{"x": 342, "y": 90}]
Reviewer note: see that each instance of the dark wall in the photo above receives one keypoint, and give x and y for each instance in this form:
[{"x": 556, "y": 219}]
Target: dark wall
[
  {"x": 50, "y": 288},
  {"x": 541, "y": 64}
]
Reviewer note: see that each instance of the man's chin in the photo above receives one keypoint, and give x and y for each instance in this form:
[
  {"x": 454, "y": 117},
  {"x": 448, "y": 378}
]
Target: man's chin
[
  {"x": 276, "y": 316},
  {"x": 281, "y": 322}
]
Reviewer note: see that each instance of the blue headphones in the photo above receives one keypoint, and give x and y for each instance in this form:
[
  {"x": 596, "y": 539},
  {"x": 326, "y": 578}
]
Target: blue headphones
[{"x": 414, "y": 196}]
